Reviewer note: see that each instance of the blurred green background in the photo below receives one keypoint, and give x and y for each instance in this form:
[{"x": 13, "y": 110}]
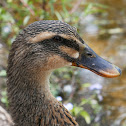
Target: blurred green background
[{"x": 92, "y": 100}]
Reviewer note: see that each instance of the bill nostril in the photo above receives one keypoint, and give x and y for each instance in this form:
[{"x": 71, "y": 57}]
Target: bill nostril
[{"x": 89, "y": 54}]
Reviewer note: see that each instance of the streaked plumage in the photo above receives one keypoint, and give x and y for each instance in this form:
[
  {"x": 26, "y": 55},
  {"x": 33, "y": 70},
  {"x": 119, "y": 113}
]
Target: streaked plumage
[{"x": 39, "y": 49}]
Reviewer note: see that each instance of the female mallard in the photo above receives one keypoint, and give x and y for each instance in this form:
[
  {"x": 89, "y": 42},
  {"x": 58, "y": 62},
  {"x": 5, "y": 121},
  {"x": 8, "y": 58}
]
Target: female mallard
[{"x": 39, "y": 49}]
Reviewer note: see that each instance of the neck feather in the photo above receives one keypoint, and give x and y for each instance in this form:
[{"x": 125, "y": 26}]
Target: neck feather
[
  {"x": 30, "y": 100},
  {"x": 28, "y": 96}
]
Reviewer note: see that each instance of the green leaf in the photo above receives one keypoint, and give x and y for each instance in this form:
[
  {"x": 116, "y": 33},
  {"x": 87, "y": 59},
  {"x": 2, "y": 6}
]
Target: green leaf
[
  {"x": 51, "y": 2},
  {"x": 100, "y": 5},
  {"x": 94, "y": 8},
  {"x": 87, "y": 9},
  {"x": 9, "y": 1},
  {"x": 59, "y": 17},
  {"x": 0, "y": 10},
  {"x": 4, "y": 93},
  {"x": 4, "y": 97},
  {"x": 7, "y": 17},
  {"x": 3, "y": 100},
  {"x": 26, "y": 19},
  {"x": 76, "y": 110},
  {"x": 84, "y": 101},
  {"x": 26, "y": 1},
  {"x": 86, "y": 85},
  {"x": 3, "y": 73},
  {"x": 86, "y": 116}
]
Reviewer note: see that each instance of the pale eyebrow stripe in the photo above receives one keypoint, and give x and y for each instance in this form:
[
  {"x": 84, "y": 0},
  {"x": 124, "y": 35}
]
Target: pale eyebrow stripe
[
  {"x": 42, "y": 36},
  {"x": 48, "y": 35},
  {"x": 69, "y": 51}
]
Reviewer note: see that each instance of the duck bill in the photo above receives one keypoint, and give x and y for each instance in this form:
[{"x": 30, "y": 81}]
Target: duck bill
[{"x": 88, "y": 59}]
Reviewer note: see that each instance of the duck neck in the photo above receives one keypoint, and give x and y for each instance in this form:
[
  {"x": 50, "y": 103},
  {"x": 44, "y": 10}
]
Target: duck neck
[{"x": 28, "y": 96}]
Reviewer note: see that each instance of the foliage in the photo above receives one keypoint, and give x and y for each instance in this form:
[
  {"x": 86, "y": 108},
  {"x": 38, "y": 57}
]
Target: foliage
[
  {"x": 92, "y": 8},
  {"x": 15, "y": 15},
  {"x": 4, "y": 93},
  {"x": 2, "y": 73},
  {"x": 79, "y": 110},
  {"x": 61, "y": 77},
  {"x": 4, "y": 98}
]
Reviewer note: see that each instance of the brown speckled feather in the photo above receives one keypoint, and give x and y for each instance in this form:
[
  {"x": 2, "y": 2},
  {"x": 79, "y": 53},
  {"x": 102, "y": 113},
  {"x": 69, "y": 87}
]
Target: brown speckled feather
[
  {"x": 56, "y": 115},
  {"x": 30, "y": 64}
]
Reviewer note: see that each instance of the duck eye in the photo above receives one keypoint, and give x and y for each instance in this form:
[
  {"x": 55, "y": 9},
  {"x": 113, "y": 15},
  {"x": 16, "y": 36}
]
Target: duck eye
[{"x": 57, "y": 39}]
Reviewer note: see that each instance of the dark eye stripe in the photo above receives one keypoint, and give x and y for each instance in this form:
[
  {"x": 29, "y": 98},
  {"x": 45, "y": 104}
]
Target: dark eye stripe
[
  {"x": 69, "y": 43},
  {"x": 62, "y": 41}
]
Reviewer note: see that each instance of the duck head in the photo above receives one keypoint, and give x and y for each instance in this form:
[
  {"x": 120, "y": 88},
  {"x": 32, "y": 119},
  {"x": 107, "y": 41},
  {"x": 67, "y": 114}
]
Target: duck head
[{"x": 48, "y": 45}]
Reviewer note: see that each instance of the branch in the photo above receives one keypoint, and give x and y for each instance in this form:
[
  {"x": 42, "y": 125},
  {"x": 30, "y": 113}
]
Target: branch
[
  {"x": 75, "y": 6},
  {"x": 26, "y": 5}
]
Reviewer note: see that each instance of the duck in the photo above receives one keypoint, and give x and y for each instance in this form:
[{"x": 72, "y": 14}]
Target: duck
[{"x": 38, "y": 49}]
